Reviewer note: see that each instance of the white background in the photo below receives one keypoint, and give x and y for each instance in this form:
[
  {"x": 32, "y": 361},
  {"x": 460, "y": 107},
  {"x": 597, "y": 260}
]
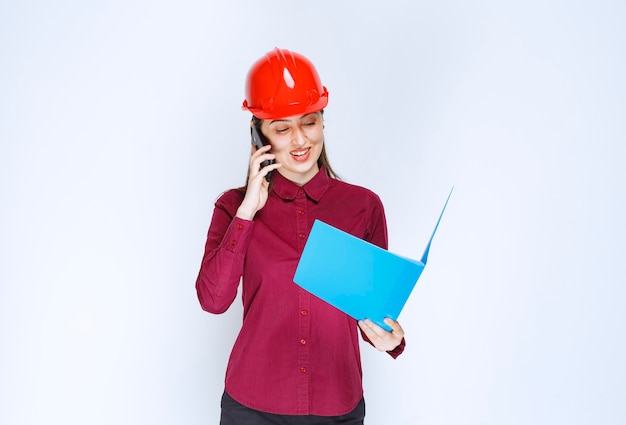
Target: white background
[{"x": 120, "y": 124}]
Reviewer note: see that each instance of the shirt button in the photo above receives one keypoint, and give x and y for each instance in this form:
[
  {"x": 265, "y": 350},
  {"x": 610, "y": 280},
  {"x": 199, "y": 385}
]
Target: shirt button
[
  {"x": 301, "y": 212},
  {"x": 301, "y": 190},
  {"x": 302, "y": 236},
  {"x": 233, "y": 242},
  {"x": 303, "y": 312},
  {"x": 303, "y": 341},
  {"x": 239, "y": 226},
  {"x": 303, "y": 369}
]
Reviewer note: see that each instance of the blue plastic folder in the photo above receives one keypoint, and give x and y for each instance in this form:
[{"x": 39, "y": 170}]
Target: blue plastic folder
[{"x": 357, "y": 277}]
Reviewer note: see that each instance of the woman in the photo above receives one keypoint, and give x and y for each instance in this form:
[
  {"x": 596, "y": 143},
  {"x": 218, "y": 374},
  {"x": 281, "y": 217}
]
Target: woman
[{"x": 296, "y": 359}]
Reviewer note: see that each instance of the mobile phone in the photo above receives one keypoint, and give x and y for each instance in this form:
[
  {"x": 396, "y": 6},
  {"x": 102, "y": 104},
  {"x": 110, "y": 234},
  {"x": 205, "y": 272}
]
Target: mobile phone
[{"x": 259, "y": 141}]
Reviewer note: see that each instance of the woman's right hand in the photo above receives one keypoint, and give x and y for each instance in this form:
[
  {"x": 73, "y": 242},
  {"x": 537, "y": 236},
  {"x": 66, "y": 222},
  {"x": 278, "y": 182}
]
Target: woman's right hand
[{"x": 258, "y": 186}]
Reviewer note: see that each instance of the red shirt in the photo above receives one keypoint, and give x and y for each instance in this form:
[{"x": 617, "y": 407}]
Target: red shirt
[{"x": 295, "y": 354}]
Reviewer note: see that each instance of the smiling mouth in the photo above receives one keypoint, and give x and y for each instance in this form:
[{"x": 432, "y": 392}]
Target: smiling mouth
[{"x": 300, "y": 154}]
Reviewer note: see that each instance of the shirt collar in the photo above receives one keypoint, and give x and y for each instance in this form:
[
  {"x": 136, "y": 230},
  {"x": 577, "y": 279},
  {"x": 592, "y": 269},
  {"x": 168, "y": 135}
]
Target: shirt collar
[{"x": 314, "y": 188}]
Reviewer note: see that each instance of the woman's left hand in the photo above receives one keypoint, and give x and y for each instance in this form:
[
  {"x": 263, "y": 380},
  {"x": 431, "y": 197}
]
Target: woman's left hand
[{"x": 380, "y": 338}]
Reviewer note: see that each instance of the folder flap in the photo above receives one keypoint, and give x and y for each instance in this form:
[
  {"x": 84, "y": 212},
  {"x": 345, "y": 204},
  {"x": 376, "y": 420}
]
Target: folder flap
[{"x": 427, "y": 250}]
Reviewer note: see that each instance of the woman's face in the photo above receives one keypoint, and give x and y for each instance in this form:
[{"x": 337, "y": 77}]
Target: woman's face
[{"x": 297, "y": 143}]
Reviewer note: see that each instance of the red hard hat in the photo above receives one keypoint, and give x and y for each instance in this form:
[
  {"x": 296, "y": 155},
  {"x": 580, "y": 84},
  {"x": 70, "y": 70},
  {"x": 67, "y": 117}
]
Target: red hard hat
[{"x": 282, "y": 84}]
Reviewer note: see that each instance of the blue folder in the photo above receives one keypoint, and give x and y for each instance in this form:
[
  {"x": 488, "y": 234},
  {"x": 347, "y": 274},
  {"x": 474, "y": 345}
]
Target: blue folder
[{"x": 357, "y": 277}]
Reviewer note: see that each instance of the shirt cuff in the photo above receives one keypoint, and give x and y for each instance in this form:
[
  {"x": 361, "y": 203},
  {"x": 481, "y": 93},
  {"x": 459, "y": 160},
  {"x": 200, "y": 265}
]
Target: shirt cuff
[
  {"x": 398, "y": 350},
  {"x": 237, "y": 236}
]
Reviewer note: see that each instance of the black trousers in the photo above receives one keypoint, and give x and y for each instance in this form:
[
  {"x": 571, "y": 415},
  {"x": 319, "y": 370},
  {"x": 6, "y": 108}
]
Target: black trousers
[{"x": 234, "y": 413}]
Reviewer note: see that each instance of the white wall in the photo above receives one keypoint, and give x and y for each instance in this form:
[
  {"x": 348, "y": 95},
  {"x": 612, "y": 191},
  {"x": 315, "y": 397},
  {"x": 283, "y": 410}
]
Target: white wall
[{"x": 120, "y": 124}]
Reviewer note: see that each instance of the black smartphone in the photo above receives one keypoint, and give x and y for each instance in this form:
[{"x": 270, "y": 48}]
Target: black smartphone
[{"x": 259, "y": 141}]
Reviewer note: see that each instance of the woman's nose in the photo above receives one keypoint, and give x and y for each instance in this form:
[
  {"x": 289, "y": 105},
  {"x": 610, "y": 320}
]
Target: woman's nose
[{"x": 298, "y": 137}]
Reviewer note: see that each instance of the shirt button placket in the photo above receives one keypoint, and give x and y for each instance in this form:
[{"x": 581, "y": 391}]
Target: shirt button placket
[{"x": 300, "y": 216}]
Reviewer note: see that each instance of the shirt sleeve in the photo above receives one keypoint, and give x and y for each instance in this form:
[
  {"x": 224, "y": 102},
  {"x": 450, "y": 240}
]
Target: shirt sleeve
[
  {"x": 376, "y": 232},
  {"x": 224, "y": 253}
]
